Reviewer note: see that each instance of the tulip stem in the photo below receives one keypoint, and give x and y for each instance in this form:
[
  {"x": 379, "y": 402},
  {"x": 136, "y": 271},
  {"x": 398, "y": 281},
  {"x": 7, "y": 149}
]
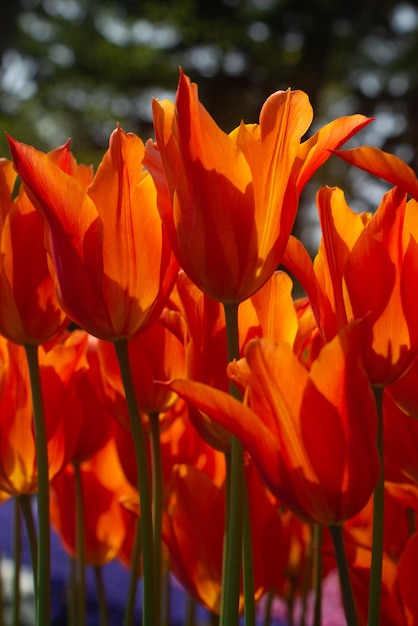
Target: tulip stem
[
  {"x": 345, "y": 583},
  {"x": 144, "y": 486},
  {"x": 2, "y": 595},
  {"x": 234, "y": 531},
  {"x": 269, "y": 605},
  {"x": 190, "y": 611},
  {"x": 378, "y": 513},
  {"x": 157, "y": 500},
  {"x": 71, "y": 593},
  {"x": 80, "y": 596},
  {"x": 248, "y": 563},
  {"x": 166, "y": 598},
  {"x": 317, "y": 572},
  {"x": 133, "y": 583},
  {"x": 26, "y": 508},
  {"x": 43, "y": 598},
  {"x": 101, "y": 596},
  {"x": 17, "y": 557}
]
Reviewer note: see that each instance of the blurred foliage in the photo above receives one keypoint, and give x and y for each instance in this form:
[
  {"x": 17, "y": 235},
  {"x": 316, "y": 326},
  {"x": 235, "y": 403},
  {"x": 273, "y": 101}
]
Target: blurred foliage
[{"x": 74, "y": 68}]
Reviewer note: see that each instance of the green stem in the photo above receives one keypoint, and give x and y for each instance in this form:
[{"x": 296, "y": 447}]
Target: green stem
[
  {"x": 317, "y": 572},
  {"x": 307, "y": 580},
  {"x": 410, "y": 514},
  {"x": 166, "y": 596},
  {"x": 190, "y": 611},
  {"x": 213, "y": 619},
  {"x": 79, "y": 548},
  {"x": 101, "y": 597},
  {"x": 25, "y": 503},
  {"x": 133, "y": 582},
  {"x": 2, "y": 595},
  {"x": 43, "y": 598},
  {"x": 226, "y": 525},
  {"x": 71, "y": 593},
  {"x": 17, "y": 550},
  {"x": 269, "y": 605},
  {"x": 144, "y": 486},
  {"x": 378, "y": 514},
  {"x": 232, "y": 570},
  {"x": 290, "y": 603},
  {"x": 345, "y": 584},
  {"x": 157, "y": 499},
  {"x": 247, "y": 559}
]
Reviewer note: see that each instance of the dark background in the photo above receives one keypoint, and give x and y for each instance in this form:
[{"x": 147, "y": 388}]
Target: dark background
[{"x": 74, "y": 68}]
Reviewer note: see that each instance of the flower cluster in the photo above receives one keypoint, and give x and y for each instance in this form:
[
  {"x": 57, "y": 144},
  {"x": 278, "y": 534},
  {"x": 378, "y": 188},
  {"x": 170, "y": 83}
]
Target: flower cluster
[{"x": 173, "y": 405}]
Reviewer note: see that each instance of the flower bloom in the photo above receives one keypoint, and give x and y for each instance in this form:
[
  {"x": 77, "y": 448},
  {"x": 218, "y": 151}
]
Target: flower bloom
[
  {"x": 234, "y": 197},
  {"x": 29, "y": 312},
  {"x": 364, "y": 268},
  {"x": 106, "y": 521},
  {"x": 384, "y": 165},
  {"x": 59, "y": 367},
  {"x": 155, "y": 354},
  {"x": 312, "y": 434},
  {"x": 195, "y": 542},
  {"x": 110, "y": 257}
]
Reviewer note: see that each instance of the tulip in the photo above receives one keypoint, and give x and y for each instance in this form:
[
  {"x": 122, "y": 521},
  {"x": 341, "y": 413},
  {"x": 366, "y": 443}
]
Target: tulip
[
  {"x": 195, "y": 542},
  {"x": 324, "y": 480},
  {"x": 103, "y": 486},
  {"x": 364, "y": 269},
  {"x": 229, "y": 201},
  {"x": 406, "y": 576},
  {"x": 113, "y": 267},
  {"x": 384, "y": 165},
  {"x": 110, "y": 257},
  {"x": 155, "y": 354},
  {"x": 30, "y": 312},
  {"x": 88, "y": 407},
  {"x": 401, "y": 439},
  {"x": 58, "y": 366}
]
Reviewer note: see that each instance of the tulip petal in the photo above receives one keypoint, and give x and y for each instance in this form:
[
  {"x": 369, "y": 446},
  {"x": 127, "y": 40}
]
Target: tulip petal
[
  {"x": 75, "y": 233},
  {"x": 315, "y": 151},
  {"x": 232, "y": 415},
  {"x": 385, "y": 165}
]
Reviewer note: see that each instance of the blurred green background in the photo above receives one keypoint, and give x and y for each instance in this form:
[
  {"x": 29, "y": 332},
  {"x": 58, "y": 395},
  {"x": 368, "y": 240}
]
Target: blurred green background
[{"x": 74, "y": 68}]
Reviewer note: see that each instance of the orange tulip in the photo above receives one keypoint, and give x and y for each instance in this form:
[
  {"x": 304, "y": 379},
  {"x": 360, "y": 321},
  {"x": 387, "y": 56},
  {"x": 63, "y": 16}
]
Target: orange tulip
[
  {"x": 406, "y": 576},
  {"x": 234, "y": 197},
  {"x": 29, "y": 312},
  {"x": 106, "y": 520},
  {"x": 322, "y": 478},
  {"x": 111, "y": 260},
  {"x": 401, "y": 438},
  {"x": 181, "y": 444},
  {"x": 384, "y": 165},
  {"x": 204, "y": 335},
  {"x": 364, "y": 269},
  {"x": 88, "y": 407},
  {"x": 155, "y": 354},
  {"x": 58, "y": 365},
  {"x": 404, "y": 391},
  {"x": 195, "y": 542},
  {"x": 359, "y": 557}
]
